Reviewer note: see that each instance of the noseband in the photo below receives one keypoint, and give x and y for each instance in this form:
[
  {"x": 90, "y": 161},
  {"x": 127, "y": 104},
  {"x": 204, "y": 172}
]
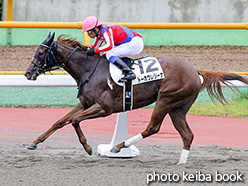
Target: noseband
[{"x": 50, "y": 62}]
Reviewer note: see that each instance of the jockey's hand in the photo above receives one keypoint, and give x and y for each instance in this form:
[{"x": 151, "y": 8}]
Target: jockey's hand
[{"x": 90, "y": 52}]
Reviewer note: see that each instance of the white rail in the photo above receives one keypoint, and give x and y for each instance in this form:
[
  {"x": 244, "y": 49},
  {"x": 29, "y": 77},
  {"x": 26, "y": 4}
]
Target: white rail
[
  {"x": 56, "y": 81},
  {"x": 42, "y": 81}
]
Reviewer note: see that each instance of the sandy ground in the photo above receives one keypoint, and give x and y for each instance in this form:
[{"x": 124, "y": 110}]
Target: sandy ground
[
  {"x": 214, "y": 58},
  {"x": 60, "y": 160},
  {"x": 67, "y": 165},
  {"x": 71, "y": 166}
]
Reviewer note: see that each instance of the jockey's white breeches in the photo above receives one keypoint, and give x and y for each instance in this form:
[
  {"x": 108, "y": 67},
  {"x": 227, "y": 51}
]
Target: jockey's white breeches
[{"x": 134, "y": 47}]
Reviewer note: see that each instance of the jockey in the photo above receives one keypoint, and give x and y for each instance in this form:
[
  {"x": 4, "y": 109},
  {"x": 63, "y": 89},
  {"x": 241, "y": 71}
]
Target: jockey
[{"x": 120, "y": 42}]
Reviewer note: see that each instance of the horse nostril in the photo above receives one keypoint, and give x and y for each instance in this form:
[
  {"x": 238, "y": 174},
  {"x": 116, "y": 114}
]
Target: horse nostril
[{"x": 28, "y": 75}]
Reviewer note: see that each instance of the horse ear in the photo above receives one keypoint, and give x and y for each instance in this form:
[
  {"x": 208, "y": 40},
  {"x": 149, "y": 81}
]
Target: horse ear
[
  {"x": 49, "y": 39},
  {"x": 53, "y": 35},
  {"x": 48, "y": 36}
]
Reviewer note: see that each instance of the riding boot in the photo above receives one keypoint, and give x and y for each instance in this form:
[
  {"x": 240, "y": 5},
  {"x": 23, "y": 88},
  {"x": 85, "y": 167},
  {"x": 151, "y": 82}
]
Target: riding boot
[{"x": 128, "y": 73}]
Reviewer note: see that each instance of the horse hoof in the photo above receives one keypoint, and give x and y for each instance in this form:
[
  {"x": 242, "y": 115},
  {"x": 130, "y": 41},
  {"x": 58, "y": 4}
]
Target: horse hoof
[
  {"x": 89, "y": 151},
  {"x": 115, "y": 150},
  {"x": 32, "y": 146}
]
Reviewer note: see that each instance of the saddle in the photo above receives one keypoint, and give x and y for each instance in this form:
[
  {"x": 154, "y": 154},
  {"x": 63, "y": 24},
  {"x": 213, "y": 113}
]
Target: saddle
[
  {"x": 130, "y": 61},
  {"x": 146, "y": 69}
]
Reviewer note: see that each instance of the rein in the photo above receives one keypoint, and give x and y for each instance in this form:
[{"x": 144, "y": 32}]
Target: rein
[
  {"x": 51, "y": 51},
  {"x": 67, "y": 59},
  {"x": 88, "y": 78}
]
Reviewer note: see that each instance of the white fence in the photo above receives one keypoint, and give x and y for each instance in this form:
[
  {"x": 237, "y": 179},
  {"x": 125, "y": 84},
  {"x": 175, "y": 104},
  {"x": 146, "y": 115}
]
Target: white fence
[
  {"x": 42, "y": 81},
  {"x": 55, "y": 81}
]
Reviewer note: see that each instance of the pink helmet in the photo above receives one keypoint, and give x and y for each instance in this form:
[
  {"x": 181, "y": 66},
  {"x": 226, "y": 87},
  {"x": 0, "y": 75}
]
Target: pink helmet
[{"x": 90, "y": 23}]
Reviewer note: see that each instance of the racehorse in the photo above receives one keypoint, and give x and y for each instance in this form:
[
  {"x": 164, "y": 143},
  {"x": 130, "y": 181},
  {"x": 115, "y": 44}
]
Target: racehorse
[{"x": 174, "y": 94}]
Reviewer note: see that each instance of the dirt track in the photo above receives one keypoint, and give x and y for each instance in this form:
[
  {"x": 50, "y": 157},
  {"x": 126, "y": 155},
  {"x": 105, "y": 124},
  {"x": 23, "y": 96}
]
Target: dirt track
[
  {"x": 61, "y": 160},
  {"x": 59, "y": 163},
  {"x": 214, "y": 58}
]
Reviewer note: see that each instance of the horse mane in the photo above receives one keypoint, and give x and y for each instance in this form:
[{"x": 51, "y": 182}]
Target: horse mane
[{"x": 72, "y": 42}]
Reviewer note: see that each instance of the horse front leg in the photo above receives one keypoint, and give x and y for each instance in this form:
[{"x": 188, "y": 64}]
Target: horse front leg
[
  {"x": 59, "y": 124},
  {"x": 93, "y": 112}
]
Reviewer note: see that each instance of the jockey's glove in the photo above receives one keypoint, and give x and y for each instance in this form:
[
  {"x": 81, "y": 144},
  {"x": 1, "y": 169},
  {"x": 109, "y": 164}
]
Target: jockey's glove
[{"x": 91, "y": 52}]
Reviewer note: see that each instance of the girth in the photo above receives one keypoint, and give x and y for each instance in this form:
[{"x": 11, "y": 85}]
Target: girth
[{"x": 127, "y": 96}]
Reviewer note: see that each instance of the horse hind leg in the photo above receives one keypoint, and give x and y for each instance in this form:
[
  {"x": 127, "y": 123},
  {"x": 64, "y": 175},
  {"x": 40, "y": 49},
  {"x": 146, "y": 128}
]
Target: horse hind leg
[
  {"x": 178, "y": 117},
  {"x": 159, "y": 112}
]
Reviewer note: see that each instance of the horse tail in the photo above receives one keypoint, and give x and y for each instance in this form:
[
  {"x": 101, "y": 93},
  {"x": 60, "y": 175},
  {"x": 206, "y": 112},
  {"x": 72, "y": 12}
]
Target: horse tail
[{"x": 212, "y": 82}]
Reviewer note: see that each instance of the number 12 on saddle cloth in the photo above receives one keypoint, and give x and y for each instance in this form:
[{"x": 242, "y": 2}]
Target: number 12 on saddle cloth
[{"x": 146, "y": 69}]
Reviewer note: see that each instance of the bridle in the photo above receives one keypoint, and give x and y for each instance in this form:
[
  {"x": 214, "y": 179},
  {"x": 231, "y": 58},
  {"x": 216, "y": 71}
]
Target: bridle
[{"x": 50, "y": 62}]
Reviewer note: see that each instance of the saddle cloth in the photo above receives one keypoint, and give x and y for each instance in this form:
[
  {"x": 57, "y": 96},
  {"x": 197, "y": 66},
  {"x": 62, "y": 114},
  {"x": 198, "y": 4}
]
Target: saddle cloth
[{"x": 146, "y": 69}]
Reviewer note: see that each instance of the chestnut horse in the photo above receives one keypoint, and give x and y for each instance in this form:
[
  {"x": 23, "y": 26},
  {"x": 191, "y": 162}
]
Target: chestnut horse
[{"x": 174, "y": 94}]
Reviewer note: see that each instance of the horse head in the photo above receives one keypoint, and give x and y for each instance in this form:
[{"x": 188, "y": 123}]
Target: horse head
[{"x": 44, "y": 59}]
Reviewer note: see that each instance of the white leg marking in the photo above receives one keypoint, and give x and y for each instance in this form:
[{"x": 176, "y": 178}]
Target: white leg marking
[
  {"x": 184, "y": 156},
  {"x": 133, "y": 140}
]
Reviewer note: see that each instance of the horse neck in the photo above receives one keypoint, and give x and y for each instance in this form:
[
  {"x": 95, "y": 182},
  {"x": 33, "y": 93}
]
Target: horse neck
[{"x": 74, "y": 66}]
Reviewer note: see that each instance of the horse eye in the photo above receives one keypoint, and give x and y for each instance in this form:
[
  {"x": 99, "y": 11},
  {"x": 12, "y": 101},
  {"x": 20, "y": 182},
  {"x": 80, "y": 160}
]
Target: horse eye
[{"x": 40, "y": 53}]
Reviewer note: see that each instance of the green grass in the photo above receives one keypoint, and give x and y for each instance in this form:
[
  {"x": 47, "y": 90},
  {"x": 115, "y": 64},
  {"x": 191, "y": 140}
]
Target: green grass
[
  {"x": 53, "y": 97},
  {"x": 238, "y": 108}
]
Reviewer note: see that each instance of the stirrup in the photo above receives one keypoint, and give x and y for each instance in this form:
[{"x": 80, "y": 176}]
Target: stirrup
[{"x": 124, "y": 79}]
